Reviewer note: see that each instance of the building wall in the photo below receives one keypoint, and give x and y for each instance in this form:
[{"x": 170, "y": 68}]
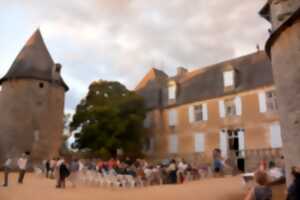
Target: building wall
[
  {"x": 255, "y": 124},
  {"x": 31, "y": 118}
]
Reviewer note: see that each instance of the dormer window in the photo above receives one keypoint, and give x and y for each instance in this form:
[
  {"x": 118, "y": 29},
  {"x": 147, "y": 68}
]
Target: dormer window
[
  {"x": 57, "y": 68},
  {"x": 228, "y": 77},
  {"x": 172, "y": 87}
]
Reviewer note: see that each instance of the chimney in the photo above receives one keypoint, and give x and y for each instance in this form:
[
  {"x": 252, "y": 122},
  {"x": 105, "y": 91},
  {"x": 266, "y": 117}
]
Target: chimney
[{"x": 181, "y": 71}]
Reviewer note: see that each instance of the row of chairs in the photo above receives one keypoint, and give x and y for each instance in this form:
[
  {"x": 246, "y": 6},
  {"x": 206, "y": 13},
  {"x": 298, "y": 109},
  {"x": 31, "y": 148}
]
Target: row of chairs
[{"x": 94, "y": 178}]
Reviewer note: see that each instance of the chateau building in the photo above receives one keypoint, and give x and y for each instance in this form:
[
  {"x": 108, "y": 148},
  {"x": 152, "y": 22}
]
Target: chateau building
[
  {"x": 32, "y": 103},
  {"x": 231, "y": 106}
]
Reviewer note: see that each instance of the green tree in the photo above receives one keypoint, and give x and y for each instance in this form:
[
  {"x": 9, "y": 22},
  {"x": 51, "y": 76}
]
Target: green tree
[{"x": 110, "y": 117}]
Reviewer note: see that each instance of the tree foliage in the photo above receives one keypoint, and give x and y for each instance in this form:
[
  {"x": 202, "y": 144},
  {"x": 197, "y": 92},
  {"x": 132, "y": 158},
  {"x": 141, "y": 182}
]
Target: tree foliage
[{"x": 110, "y": 117}]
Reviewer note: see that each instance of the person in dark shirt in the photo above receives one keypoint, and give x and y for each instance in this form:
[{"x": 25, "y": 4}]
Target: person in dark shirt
[
  {"x": 294, "y": 188},
  {"x": 48, "y": 168},
  {"x": 63, "y": 174}
]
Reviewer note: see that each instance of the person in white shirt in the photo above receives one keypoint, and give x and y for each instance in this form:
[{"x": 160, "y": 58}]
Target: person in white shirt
[
  {"x": 7, "y": 166},
  {"x": 22, "y": 164}
]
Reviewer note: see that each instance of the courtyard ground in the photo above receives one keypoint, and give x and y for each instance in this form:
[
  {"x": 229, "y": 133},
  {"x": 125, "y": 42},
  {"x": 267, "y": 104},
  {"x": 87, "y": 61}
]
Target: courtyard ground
[{"x": 39, "y": 188}]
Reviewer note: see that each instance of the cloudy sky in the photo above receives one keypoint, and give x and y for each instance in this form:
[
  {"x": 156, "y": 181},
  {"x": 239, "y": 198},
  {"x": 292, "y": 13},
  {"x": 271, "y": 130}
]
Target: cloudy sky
[{"x": 122, "y": 39}]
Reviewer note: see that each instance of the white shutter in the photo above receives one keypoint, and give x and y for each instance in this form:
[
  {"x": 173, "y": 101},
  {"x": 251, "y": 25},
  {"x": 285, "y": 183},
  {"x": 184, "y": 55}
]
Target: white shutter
[
  {"x": 241, "y": 136},
  {"x": 199, "y": 142},
  {"x": 223, "y": 143},
  {"x": 275, "y": 136},
  {"x": 191, "y": 114},
  {"x": 222, "y": 108},
  {"x": 262, "y": 102},
  {"x": 172, "y": 117},
  {"x": 238, "y": 105},
  {"x": 205, "y": 112},
  {"x": 173, "y": 144}
]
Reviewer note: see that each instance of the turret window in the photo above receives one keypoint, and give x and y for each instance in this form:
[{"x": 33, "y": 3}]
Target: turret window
[{"x": 41, "y": 85}]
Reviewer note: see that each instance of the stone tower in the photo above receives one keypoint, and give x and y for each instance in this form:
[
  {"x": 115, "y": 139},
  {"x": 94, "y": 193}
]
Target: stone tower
[
  {"x": 283, "y": 49},
  {"x": 32, "y": 103}
]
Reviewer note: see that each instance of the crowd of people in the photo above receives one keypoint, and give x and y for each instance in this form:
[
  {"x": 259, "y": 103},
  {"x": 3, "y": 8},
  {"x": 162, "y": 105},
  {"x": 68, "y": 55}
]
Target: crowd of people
[
  {"x": 138, "y": 173},
  {"x": 271, "y": 174},
  {"x": 121, "y": 173}
]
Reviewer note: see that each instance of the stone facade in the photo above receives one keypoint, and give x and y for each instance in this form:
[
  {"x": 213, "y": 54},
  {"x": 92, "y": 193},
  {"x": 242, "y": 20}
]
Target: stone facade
[
  {"x": 32, "y": 104},
  {"x": 195, "y": 140}
]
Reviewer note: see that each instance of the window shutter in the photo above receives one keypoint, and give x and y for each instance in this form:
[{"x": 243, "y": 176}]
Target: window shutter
[
  {"x": 222, "y": 108},
  {"x": 191, "y": 114},
  {"x": 238, "y": 105},
  {"x": 173, "y": 144},
  {"x": 262, "y": 102},
  {"x": 205, "y": 112},
  {"x": 275, "y": 136},
  {"x": 223, "y": 143},
  {"x": 241, "y": 135},
  {"x": 199, "y": 142},
  {"x": 172, "y": 117}
]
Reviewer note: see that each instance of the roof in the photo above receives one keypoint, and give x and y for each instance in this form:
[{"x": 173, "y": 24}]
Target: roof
[
  {"x": 276, "y": 33},
  {"x": 253, "y": 71},
  {"x": 265, "y": 12},
  {"x": 33, "y": 62}
]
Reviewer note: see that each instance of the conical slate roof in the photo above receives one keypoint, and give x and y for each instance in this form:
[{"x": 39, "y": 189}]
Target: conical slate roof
[{"x": 33, "y": 62}]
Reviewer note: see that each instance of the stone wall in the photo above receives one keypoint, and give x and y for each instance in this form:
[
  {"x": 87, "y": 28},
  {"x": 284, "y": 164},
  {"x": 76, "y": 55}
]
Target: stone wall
[{"x": 31, "y": 118}]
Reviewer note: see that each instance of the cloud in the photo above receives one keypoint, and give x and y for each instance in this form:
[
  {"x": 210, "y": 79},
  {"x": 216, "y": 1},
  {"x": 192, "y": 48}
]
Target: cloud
[{"x": 122, "y": 39}]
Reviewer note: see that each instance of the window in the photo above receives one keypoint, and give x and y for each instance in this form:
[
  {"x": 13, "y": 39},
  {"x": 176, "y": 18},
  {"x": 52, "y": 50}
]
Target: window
[
  {"x": 147, "y": 121},
  {"x": 172, "y": 115},
  {"x": 173, "y": 144},
  {"x": 57, "y": 68},
  {"x": 198, "y": 112},
  {"x": 199, "y": 142},
  {"x": 275, "y": 136},
  {"x": 271, "y": 101},
  {"x": 172, "y": 90},
  {"x": 267, "y": 101},
  {"x": 149, "y": 145},
  {"x": 230, "y": 107},
  {"x": 41, "y": 85},
  {"x": 228, "y": 77}
]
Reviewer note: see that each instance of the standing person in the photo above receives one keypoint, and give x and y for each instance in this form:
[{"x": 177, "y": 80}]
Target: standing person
[
  {"x": 74, "y": 170},
  {"x": 47, "y": 168},
  {"x": 7, "y": 167},
  {"x": 294, "y": 188},
  {"x": 63, "y": 174},
  {"x": 217, "y": 162},
  {"x": 172, "y": 170},
  {"x": 261, "y": 191},
  {"x": 22, "y": 164},
  {"x": 53, "y": 162}
]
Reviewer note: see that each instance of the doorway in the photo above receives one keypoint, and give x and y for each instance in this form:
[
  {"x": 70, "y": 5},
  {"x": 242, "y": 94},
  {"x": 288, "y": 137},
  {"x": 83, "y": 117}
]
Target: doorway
[{"x": 235, "y": 139}]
